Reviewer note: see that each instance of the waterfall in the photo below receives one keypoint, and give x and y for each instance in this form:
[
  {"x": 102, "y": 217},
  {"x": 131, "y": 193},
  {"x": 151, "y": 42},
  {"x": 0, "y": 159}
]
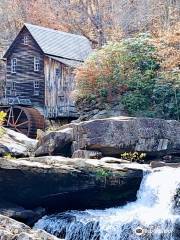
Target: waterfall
[{"x": 151, "y": 217}]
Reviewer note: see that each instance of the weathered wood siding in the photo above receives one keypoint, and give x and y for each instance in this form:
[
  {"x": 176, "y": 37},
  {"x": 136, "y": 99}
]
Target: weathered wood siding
[
  {"x": 2, "y": 77},
  {"x": 25, "y": 75},
  {"x": 58, "y": 89}
]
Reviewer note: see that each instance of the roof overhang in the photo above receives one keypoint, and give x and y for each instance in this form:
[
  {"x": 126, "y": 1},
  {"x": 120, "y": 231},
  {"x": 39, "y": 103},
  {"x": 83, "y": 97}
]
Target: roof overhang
[{"x": 67, "y": 62}]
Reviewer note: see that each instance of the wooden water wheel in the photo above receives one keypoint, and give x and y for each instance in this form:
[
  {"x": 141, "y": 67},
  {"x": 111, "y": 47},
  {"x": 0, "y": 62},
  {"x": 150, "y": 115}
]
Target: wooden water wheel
[{"x": 24, "y": 120}]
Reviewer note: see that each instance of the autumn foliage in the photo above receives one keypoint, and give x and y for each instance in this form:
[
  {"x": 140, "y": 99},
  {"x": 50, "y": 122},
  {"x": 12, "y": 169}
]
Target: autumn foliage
[
  {"x": 114, "y": 65},
  {"x": 112, "y": 72},
  {"x": 142, "y": 73},
  {"x": 167, "y": 43}
]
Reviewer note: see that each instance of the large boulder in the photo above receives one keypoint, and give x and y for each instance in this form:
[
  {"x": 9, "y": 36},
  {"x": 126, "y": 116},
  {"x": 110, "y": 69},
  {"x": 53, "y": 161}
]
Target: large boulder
[
  {"x": 113, "y": 136},
  {"x": 11, "y": 230},
  {"x": 16, "y": 144},
  {"x": 56, "y": 182},
  {"x": 55, "y": 142}
]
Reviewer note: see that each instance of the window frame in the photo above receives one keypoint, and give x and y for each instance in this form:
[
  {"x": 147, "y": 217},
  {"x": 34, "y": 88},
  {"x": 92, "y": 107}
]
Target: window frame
[
  {"x": 36, "y": 64},
  {"x": 58, "y": 73},
  {"x": 14, "y": 65},
  {"x": 13, "y": 86},
  {"x": 58, "y": 76},
  {"x": 25, "y": 40},
  {"x": 13, "y": 89},
  {"x": 36, "y": 85}
]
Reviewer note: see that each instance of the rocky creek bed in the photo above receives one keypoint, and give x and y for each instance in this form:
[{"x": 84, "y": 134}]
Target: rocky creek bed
[{"x": 74, "y": 167}]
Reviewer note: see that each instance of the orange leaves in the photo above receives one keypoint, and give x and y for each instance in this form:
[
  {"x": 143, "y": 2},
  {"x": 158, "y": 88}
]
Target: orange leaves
[
  {"x": 100, "y": 72},
  {"x": 168, "y": 45},
  {"x": 86, "y": 78}
]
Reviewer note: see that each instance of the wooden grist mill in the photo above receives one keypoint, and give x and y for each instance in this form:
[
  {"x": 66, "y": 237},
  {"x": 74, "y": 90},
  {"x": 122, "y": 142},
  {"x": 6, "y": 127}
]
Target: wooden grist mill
[{"x": 39, "y": 79}]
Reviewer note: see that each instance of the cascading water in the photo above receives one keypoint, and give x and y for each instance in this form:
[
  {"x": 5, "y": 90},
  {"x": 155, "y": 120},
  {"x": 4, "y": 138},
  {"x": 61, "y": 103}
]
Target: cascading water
[{"x": 150, "y": 217}]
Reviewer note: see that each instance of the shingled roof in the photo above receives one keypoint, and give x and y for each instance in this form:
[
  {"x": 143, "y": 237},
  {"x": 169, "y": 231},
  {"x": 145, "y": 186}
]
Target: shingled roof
[{"x": 60, "y": 44}]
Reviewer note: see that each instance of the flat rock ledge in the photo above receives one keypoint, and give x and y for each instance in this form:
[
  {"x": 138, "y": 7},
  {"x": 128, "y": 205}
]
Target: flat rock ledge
[
  {"x": 13, "y": 230},
  {"x": 65, "y": 183}
]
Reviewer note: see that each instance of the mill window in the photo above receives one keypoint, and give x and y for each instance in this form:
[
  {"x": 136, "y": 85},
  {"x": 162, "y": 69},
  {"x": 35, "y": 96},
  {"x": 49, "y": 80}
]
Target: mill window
[
  {"x": 13, "y": 86},
  {"x": 25, "y": 40},
  {"x": 36, "y": 64},
  {"x": 36, "y": 88},
  {"x": 13, "y": 65},
  {"x": 57, "y": 74},
  {"x": 36, "y": 84}
]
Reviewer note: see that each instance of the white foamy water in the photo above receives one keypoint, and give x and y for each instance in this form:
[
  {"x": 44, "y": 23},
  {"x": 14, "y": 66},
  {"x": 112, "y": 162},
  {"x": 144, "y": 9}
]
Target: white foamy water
[{"x": 150, "y": 217}]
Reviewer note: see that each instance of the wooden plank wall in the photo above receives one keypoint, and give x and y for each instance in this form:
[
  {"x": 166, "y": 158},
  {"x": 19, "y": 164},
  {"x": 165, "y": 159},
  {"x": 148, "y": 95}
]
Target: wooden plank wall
[
  {"x": 58, "y": 91},
  {"x": 2, "y": 77},
  {"x": 25, "y": 75}
]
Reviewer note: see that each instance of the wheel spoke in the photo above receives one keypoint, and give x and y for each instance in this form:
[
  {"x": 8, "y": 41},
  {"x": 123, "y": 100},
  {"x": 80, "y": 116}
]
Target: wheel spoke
[
  {"x": 9, "y": 116},
  {"x": 12, "y": 116},
  {"x": 18, "y": 118},
  {"x": 23, "y": 123},
  {"x": 11, "y": 125},
  {"x": 23, "y": 120}
]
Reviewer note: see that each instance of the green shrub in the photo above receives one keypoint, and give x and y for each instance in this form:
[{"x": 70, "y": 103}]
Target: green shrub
[
  {"x": 136, "y": 103},
  {"x": 167, "y": 101},
  {"x": 103, "y": 93},
  {"x": 102, "y": 173},
  {"x": 129, "y": 72}
]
